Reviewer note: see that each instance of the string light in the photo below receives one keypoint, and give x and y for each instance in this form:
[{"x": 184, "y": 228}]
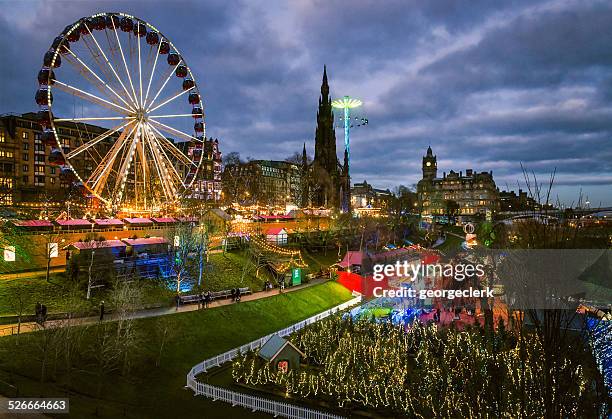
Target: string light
[{"x": 419, "y": 371}]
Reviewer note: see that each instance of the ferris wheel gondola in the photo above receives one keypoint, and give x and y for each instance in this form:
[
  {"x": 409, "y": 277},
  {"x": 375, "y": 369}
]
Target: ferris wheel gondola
[{"x": 129, "y": 95}]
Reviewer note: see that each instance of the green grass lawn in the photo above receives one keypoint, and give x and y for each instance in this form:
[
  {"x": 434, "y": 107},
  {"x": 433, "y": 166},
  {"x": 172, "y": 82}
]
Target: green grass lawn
[
  {"x": 451, "y": 243},
  {"x": 54, "y": 293},
  {"x": 32, "y": 290},
  {"x": 150, "y": 391},
  {"x": 224, "y": 271},
  {"x": 321, "y": 260},
  {"x": 227, "y": 270}
]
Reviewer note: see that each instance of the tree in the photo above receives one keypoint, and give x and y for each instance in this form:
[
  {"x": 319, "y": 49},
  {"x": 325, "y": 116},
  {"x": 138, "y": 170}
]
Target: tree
[
  {"x": 51, "y": 243},
  {"x": 20, "y": 299},
  {"x": 182, "y": 241},
  {"x": 202, "y": 244},
  {"x": 537, "y": 294},
  {"x": 126, "y": 297}
]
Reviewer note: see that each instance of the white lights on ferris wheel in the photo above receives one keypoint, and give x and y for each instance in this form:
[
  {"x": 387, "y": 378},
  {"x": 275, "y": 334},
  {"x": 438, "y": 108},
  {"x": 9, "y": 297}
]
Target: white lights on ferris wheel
[{"x": 125, "y": 75}]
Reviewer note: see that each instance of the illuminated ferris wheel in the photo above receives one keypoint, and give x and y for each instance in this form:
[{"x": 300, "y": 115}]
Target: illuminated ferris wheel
[{"x": 122, "y": 112}]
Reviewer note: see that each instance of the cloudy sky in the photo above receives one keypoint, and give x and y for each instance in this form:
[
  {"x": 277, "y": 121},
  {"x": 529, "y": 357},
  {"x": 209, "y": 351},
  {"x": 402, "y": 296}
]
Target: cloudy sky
[{"x": 490, "y": 85}]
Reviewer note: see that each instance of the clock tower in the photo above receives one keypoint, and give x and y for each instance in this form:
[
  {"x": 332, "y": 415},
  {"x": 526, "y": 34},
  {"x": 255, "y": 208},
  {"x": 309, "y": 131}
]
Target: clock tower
[{"x": 430, "y": 165}]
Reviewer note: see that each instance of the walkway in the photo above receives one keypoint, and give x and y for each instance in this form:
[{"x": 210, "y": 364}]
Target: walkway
[{"x": 8, "y": 329}]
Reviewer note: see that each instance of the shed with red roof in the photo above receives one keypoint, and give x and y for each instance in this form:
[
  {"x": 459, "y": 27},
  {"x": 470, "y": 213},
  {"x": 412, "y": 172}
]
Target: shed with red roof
[{"x": 276, "y": 235}]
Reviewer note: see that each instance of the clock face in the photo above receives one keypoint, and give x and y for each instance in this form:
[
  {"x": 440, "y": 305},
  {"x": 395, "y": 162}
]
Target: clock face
[{"x": 428, "y": 163}]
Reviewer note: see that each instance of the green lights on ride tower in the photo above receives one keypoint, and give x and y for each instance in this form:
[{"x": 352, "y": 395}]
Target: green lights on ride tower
[{"x": 347, "y": 103}]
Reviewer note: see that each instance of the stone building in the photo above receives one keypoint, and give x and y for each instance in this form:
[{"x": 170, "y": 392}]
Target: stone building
[
  {"x": 264, "y": 182},
  {"x": 466, "y": 194},
  {"x": 330, "y": 184},
  {"x": 33, "y": 172},
  {"x": 364, "y": 195}
]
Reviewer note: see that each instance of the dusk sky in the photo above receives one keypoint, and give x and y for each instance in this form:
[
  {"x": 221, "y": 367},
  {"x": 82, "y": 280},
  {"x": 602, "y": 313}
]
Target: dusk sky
[{"x": 488, "y": 84}]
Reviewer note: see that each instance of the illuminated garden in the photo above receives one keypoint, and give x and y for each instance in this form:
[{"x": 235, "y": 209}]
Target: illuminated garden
[{"x": 423, "y": 370}]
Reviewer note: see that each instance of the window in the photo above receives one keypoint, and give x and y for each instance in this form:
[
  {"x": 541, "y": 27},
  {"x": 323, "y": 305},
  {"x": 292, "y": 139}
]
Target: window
[
  {"x": 39, "y": 168},
  {"x": 66, "y": 142},
  {"x": 24, "y": 135},
  {"x": 25, "y": 157},
  {"x": 39, "y": 158},
  {"x": 6, "y": 182},
  {"x": 39, "y": 181},
  {"x": 37, "y": 135},
  {"x": 6, "y": 199},
  {"x": 26, "y": 167},
  {"x": 25, "y": 179},
  {"x": 2, "y": 137},
  {"x": 52, "y": 180},
  {"x": 52, "y": 170},
  {"x": 26, "y": 146},
  {"x": 4, "y": 153}
]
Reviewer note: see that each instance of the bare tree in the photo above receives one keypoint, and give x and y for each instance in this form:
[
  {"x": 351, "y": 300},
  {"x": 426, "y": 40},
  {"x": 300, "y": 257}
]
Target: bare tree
[
  {"x": 125, "y": 298},
  {"x": 182, "y": 239}
]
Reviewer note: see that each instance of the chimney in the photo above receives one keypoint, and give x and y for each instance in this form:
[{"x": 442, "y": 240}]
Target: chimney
[{"x": 444, "y": 174}]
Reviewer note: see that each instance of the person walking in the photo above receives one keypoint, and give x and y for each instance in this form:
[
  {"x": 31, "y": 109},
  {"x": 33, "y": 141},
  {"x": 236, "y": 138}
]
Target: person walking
[
  {"x": 101, "y": 310},
  {"x": 237, "y": 295},
  {"x": 233, "y": 294},
  {"x": 178, "y": 301},
  {"x": 207, "y": 298},
  {"x": 201, "y": 300},
  {"x": 39, "y": 313}
]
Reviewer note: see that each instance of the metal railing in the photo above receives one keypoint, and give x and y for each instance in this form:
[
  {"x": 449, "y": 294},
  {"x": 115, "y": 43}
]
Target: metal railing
[{"x": 255, "y": 403}]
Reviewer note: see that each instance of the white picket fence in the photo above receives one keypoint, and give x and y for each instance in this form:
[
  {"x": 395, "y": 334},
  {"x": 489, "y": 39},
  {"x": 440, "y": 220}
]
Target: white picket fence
[{"x": 260, "y": 404}]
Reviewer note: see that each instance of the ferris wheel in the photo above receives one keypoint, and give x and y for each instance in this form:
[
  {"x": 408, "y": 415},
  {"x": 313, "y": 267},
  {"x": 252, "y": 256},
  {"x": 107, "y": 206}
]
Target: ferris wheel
[{"x": 122, "y": 112}]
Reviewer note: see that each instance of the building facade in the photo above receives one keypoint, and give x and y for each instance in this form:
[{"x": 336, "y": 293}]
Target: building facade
[
  {"x": 364, "y": 195},
  {"x": 32, "y": 171},
  {"x": 207, "y": 185},
  {"x": 263, "y": 182},
  {"x": 463, "y": 194},
  {"x": 511, "y": 201}
]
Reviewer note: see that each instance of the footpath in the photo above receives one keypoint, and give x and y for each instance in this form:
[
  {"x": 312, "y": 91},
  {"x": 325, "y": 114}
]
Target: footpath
[{"x": 10, "y": 329}]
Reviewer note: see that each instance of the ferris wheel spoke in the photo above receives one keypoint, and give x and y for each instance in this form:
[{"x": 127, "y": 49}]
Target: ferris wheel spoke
[
  {"x": 158, "y": 167},
  {"x": 97, "y": 57},
  {"x": 103, "y": 118},
  {"x": 164, "y": 85},
  {"x": 178, "y": 153},
  {"x": 170, "y": 99},
  {"x": 96, "y": 140},
  {"x": 139, "y": 67},
  {"x": 98, "y": 178},
  {"x": 125, "y": 164},
  {"x": 90, "y": 97},
  {"x": 140, "y": 148},
  {"x": 93, "y": 73},
  {"x": 181, "y": 115},
  {"x": 173, "y": 131},
  {"x": 109, "y": 65},
  {"x": 152, "y": 72},
  {"x": 124, "y": 62},
  {"x": 169, "y": 163}
]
